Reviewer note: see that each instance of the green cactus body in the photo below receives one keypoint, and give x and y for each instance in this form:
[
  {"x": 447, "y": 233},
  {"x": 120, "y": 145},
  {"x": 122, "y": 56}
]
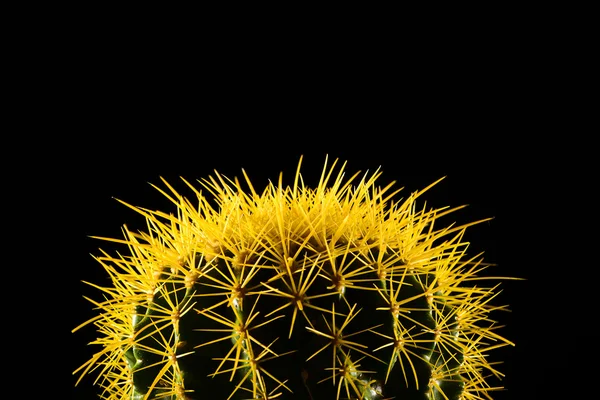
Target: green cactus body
[{"x": 331, "y": 293}]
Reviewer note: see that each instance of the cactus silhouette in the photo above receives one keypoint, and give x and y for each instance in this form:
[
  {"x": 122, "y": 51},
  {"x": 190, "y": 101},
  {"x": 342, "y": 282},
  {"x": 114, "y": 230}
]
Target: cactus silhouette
[{"x": 337, "y": 292}]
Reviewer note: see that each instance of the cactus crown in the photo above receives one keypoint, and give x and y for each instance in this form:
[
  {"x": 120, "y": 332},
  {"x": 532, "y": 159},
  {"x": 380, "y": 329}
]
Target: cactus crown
[{"x": 334, "y": 292}]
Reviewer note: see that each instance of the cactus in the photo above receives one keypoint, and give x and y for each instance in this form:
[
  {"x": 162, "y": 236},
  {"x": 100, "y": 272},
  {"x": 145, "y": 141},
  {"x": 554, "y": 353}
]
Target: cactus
[{"x": 338, "y": 292}]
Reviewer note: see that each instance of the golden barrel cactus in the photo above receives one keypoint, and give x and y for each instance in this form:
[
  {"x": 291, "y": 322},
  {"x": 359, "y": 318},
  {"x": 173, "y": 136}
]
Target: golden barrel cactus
[{"x": 342, "y": 291}]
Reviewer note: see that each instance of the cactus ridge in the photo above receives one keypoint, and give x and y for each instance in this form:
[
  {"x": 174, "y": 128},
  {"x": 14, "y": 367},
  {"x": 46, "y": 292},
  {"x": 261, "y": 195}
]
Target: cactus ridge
[{"x": 337, "y": 292}]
